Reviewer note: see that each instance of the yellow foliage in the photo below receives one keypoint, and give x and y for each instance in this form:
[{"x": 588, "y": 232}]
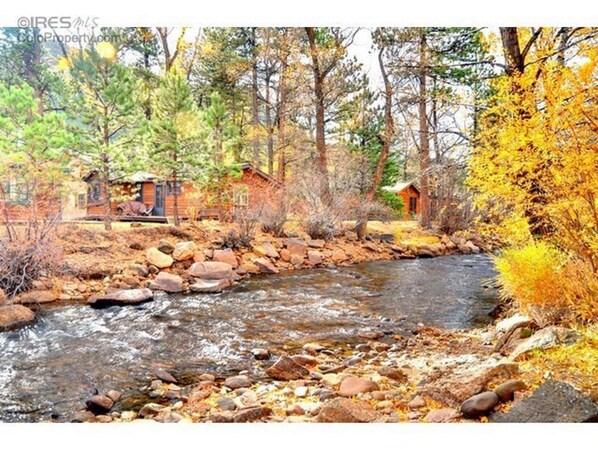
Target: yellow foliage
[{"x": 545, "y": 280}]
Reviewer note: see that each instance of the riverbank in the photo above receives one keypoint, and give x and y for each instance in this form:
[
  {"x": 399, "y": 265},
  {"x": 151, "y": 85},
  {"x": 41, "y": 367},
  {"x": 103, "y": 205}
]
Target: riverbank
[{"x": 97, "y": 262}]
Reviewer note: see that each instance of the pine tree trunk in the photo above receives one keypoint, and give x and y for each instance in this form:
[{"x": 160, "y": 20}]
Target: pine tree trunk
[
  {"x": 322, "y": 157},
  {"x": 386, "y": 140},
  {"x": 269, "y": 129},
  {"x": 255, "y": 144},
  {"x": 424, "y": 137}
]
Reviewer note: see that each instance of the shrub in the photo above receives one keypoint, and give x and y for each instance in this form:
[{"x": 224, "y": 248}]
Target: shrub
[
  {"x": 548, "y": 284},
  {"x": 393, "y": 201},
  {"x": 275, "y": 216}
]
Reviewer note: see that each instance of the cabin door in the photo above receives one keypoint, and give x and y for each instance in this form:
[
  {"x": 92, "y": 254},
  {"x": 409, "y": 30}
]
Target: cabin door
[{"x": 159, "y": 200}]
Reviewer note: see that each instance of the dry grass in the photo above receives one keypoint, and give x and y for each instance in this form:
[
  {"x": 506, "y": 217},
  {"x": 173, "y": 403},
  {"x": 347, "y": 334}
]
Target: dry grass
[{"x": 577, "y": 363}]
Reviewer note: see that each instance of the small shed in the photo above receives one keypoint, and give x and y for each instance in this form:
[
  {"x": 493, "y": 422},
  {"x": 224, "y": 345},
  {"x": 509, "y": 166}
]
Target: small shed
[{"x": 410, "y": 194}]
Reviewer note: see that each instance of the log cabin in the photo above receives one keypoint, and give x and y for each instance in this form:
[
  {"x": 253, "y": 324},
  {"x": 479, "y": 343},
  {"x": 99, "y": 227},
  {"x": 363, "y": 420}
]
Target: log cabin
[
  {"x": 252, "y": 188},
  {"x": 410, "y": 194}
]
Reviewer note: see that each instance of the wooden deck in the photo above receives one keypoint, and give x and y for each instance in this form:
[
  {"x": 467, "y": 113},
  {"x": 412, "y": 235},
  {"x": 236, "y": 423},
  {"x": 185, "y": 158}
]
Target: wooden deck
[{"x": 136, "y": 218}]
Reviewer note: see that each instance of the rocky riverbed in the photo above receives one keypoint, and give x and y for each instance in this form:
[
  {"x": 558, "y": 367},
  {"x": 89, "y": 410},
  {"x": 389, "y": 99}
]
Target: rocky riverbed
[{"x": 432, "y": 376}]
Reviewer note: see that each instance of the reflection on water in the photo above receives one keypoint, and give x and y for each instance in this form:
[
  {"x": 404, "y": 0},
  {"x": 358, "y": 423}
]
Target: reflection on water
[{"x": 51, "y": 368}]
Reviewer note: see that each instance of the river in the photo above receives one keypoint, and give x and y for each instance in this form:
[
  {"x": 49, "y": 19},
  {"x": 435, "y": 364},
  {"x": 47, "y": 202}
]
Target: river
[{"x": 48, "y": 370}]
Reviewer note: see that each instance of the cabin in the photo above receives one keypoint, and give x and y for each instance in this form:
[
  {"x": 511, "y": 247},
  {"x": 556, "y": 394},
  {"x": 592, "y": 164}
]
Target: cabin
[
  {"x": 154, "y": 197},
  {"x": 410, "y": 194}
]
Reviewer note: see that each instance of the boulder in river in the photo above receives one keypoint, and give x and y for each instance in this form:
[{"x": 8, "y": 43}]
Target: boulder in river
[
  {"x": 165, "y": 376},
  {"x": 14, "y": 317},
  {"x": 210, "y": 286},
  {"x": 553, "y": 402},
  {"x": 99, "y": 404},
  {"x": 343, "y": 410},
  {"x": 286, "y": 368},
  {"x": 167, "y": 282},
  {"x": 158, "y": 258},
  {"x": 124, "y": 297},
  {"x": 211, "y": 271}
]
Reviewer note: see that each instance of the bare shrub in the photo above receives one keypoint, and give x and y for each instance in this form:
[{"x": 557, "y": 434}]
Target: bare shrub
[
  {"x": 276, "y": 214},
  {"x": 247, "y": 221}
]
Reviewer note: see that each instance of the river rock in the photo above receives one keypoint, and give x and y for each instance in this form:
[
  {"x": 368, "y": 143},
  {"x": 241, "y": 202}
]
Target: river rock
[
  {"x": 307, "y": 361},
  {"x": 296, "y": 247},
  {"x": 167, "y": 282},
  {"x": 314, "y": 257},
  {"x": 165, "y": 376},
  {"x": 150, "y": 410},
  {"x": 480, "y": 404},
  {"x": 455, "y": 387},
  {"x": 184, "y": 251},
  {"x": 226, "y": 404},
  {"x": 99, "y": 404},
  {"x": 265, "y": 266},
  {"x": 313, "y": 348},
  {"x": 14, "y": 317},
  {"x": 416, "y": 403},
  {"x": 343, "y": 410},
  {"x": 124, "y": 297},
  {"x": 260, "y": 354},
  {"x": 266, "y": 249},
  {"x": 553, "y": 402},
  {"x": 251, "y": 414},
  {"x": 115, "y": 395},
  {"x": 370, "y": 335},
  {"x": 316, "y": 243},
  {"x": 393, "y": 373},
  {"x": 296, "y": 260},
  {"x": 442, "y": 415},
  {"x": 165, "y": 246},
  {"x": 211, "y": 270},
  {"x": 506, "y": 390},
  {"x": 37, "y": 297},
  {"x": 352, "y": 386},
  {"x": 236, "y": 382},
  {"x": 286, "y": 368},
  {"x": 548, "y": 337},
  {"x": 158, "y": 259},
  {"x": 227, "y": 256},
  {"x": 203, "y": 286}
]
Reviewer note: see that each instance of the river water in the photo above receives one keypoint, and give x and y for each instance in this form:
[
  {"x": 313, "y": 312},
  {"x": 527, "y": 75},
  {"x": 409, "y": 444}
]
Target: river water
[{"x": 49, "y": 369}]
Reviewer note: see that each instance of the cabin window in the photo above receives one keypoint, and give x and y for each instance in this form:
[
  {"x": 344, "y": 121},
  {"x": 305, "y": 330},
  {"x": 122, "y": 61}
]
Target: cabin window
[
  {"x": 81, "y": 201},
  {"x": 172, "y": 187},
  {"x": 94, "y": 192},
  {"x": 240, "y": 196},
  {"x": 17, "y": 193},
  {"x": 139, "y": 192}
]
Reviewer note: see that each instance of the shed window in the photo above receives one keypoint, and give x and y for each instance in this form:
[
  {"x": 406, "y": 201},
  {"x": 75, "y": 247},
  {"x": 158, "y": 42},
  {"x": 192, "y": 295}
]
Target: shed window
[
  {"x": 240, "y": 196},
  {"x": 17, "y": 192},
  {"x": 171, "y": 187}
]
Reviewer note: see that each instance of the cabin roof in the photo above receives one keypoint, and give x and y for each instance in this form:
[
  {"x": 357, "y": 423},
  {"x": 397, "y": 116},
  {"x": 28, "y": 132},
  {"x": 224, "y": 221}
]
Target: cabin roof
[{"x": 400, "y": 186}]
